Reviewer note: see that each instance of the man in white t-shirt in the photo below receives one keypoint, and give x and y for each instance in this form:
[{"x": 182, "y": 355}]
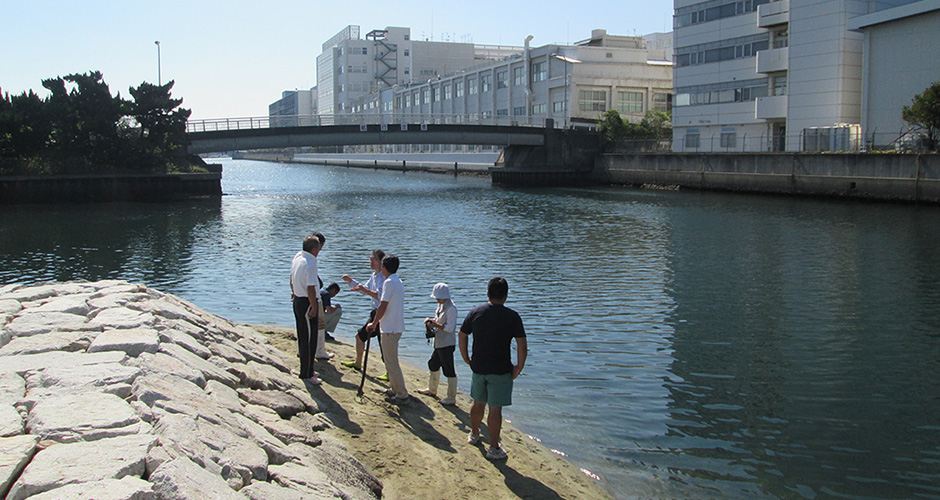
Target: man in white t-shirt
[
  {"x": 390, "y": 319},
  {"x": 305, "y": 296}
]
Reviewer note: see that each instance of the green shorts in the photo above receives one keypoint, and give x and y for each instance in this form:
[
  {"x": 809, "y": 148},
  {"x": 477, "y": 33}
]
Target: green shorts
[{"x": 494, "y": 390}]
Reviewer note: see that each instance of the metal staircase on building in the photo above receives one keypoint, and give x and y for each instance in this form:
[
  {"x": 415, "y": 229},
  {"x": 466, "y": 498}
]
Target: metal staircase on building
[{"x": 386, "y": 58}]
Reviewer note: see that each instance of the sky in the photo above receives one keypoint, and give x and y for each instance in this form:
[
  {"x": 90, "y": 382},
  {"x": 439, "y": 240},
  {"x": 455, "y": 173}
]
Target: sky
[{"x": 233, "y": 58}]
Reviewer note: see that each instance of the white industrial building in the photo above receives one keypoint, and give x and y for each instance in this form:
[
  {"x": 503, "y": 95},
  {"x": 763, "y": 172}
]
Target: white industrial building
[
  {"x": 901, "y": 58},
  {"x": 756, "y": 75},
  {"x": 350, "y": 66},
  {"x": 570, "y": 84}
]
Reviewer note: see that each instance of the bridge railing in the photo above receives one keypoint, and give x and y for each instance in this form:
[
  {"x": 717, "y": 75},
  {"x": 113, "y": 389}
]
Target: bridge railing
[{"x": 389, "y": 120}]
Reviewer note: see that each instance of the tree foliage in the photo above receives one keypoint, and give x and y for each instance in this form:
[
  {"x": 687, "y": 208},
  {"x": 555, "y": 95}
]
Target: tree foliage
[
  {"x": 654, "y": 126},
  {"x": 81, "y": 128},
  {"x": 924, "y": 114}
]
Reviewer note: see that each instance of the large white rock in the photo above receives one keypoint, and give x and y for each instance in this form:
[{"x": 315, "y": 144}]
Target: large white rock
[
  {"x": 164, "y": 364},
  {"x": 132, "y": 341},
  {"x": 10, "y": 306},
  {"x": 29, "y": 323},
  {"x": 182, "y": 479},
  {"x": 84, "y": 416},
  {"x": 119, "y": 317},
  {"x": 15, "y": 453},
  {"x": 114, "y": 378},
  {"x": 296, "y": 476},
  {"x": 185, "y": 341},
  {"x": 71, "y": 304},
  {"x": 261, "y": 490},
  {"x": 126, "y": 488},
  {"x": 284, "y": 404},
  {"x": 11, "y": 423},
  {"x": 64, "y": 464},
  {"x": 122, "y": 299},
  {"x": 49, "y": 342},
  {"x": 34, "y": 362},
  {"x": 209, "y": 370},
  {"x": 12, "y": 387}
]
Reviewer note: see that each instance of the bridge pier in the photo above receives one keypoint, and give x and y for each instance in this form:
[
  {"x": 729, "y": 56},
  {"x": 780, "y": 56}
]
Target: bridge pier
[{"x": 566, "y": 158}]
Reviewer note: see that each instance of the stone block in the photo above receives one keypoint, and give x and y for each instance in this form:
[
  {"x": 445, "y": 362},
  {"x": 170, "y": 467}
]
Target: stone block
[
  {"x": 82, "y": 462},
  {"x": 132, "y": 341},
  {"x": 11, "y": 423},
  {"x": 15, "y": 453},
  {"x": 126, "y": 488},
  {"x": 82, "y": 417},
  {"x": 121, "y": 318},
  {"x": 284, "y": 404},
  {"x": 49, "y": 342},
  {"x": 29, "y": 323},
  {"x": 182, "y": 479}
]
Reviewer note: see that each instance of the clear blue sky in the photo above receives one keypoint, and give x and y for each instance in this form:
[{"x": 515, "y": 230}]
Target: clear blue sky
[{"x": 233, "y": 58}]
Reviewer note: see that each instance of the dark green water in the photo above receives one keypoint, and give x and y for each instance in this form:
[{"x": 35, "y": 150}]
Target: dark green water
[{"x": 683, "y": 345}]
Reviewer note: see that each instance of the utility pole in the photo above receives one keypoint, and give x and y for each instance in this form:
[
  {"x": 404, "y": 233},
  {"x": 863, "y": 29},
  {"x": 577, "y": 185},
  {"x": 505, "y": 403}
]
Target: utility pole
[{"x": 159, "y": 76}]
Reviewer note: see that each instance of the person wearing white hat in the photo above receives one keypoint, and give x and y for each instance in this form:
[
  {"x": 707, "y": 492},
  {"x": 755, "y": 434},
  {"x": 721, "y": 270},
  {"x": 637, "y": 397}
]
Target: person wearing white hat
[{"x": 444, "y": 329}]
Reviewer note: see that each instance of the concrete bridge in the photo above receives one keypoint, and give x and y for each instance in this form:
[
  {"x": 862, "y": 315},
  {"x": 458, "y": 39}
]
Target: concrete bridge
[{"x": 533, "y": 153}]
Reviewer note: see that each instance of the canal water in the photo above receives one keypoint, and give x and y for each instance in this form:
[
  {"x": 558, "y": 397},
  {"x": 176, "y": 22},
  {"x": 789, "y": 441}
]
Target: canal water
[{"x": 682, "y": 345}]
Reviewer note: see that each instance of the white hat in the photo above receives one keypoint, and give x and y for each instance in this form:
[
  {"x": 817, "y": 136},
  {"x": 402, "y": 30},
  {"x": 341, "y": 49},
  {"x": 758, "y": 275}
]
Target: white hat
[{"x": 440, "y": 291}]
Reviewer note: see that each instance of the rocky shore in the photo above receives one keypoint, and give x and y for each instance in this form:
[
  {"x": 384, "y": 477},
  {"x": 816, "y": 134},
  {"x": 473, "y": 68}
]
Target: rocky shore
[{"x": 111, "y": 391}]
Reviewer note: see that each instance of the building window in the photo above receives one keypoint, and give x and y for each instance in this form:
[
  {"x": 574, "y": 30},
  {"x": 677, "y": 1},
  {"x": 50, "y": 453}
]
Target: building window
[
  {"x": 502, "y": 81},
  {"x": 692, "y": 138},
  {"x": 736, "y": 48},
  {"x": 630, "y": 102},
  {"x": 518, "y": 111},
  {"x": 518, "y": 76},
  {"x": 485, "y": 83},
  {"x": 436, "y": 94},
  {"x": 486, "y": 115},
  {"x": 427, "y": 96},
  {"x": 592, "y": 100},
  {"x": 539, "y": 72},
  {"x": 458, "y": 88},
  {"x": 538, "y": 109},
  {"x": 471, "y": 86},
  {"x": 662, "y": 101},
  {"x": 416, "y": 99},
  {"x": 728, "y": 137},
  {"x": 559, "y": 107},
  {"x": 709, "y": 11},
  {"x": 780, "y": 85},
  {"x": 407, "y": 52},
  {"x": 447, "y": 92},
  {"x": 502, "y": 112}
]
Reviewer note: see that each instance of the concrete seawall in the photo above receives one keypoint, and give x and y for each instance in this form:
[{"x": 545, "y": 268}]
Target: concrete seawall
[
  {"x": 98, "y": 188},
  {"x": 889, "y": 177}
]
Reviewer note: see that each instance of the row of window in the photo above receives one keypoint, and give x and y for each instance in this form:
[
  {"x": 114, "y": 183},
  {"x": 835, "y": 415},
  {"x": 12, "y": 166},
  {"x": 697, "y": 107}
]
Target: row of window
[
  {"x": 714, "y": 10},
  {"x": 723, "y": 93},
  {"x": 727, "y": 139},
  {"x": 735, "y": 49},
  {"x": 627, "y": 101}
]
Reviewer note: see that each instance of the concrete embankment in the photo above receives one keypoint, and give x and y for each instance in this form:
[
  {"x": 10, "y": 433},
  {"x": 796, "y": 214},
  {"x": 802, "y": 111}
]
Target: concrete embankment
[
  {"x": 113, "y": 390},
  {"x": 872, "y": 176},
  {"x": 377, "y": 162},
  {"x": 105, "y": 188}
]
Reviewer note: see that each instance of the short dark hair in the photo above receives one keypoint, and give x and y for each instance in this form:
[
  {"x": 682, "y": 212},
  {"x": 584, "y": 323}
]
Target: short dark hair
[
  {"x": 497, "y": 288},
  {"x": 320, "y": 237},
  {"x": 379, "y": 254},
  {"x": 333, "y": 286},
  {"x": 390, "y": 262},
  {"x": 311, "y": 242}
]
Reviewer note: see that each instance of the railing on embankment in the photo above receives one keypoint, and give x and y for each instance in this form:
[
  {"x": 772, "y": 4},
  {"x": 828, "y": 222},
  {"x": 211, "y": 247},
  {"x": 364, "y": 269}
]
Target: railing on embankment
[{"x": 899, "y": 177}]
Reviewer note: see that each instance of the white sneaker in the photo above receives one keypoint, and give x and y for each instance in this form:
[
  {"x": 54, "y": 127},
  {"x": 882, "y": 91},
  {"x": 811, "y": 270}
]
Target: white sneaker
[
  {"x": 313, "y": 381},
  {"x": 474, "y": 438},
  {"x": 448, "y": 402},
  {"x": 496, "y": 453},
  {"x": 328, "y": 355}
]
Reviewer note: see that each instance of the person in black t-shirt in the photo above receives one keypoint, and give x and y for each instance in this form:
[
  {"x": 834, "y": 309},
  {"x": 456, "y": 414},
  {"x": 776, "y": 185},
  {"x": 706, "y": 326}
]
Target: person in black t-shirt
[{"x": 493, "y": 326}]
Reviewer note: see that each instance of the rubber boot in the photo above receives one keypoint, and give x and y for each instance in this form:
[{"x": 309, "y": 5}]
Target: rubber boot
[
  {"x": 433, "y": 380},
  {"x": 451, "y": 398}
]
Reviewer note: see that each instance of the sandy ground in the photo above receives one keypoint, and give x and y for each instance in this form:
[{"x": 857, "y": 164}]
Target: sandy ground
[{"x": 419, "y": 449}]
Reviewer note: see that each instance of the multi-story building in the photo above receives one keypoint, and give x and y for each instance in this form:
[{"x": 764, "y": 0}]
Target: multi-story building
[
  {"x": 570, "y": 84},
  {"x": 755, "y": 75},
  {"x": 761, "y": 75},
  {"x": 295, "y": 107},
  {"x": 890, "y": 81},
  {"x": 350, "y": 66}
]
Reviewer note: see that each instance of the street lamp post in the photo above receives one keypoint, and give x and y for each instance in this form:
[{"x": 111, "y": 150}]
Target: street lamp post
[{"x": 159, "y": 77}]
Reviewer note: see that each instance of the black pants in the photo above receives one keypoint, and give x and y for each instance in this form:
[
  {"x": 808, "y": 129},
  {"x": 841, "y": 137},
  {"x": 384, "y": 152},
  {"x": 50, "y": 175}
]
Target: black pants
[
  {"x": 364, "y": 334},
  {"x": 443, "y": 359},
  {"x": 306, "y": 343}
]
